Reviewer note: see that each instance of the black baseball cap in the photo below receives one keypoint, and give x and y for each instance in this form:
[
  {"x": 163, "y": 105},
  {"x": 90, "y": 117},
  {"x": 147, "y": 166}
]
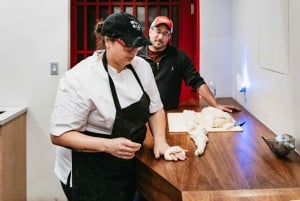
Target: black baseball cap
[{"x": 126, "y": 27}]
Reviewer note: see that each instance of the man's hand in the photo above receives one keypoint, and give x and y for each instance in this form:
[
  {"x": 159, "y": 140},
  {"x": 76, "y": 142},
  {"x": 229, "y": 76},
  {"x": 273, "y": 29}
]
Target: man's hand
[{"x": 228, "y": 108}]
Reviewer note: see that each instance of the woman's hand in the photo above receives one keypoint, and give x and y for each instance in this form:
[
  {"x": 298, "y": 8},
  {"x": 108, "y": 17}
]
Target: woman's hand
[
  {"x": 157, "y": 124},
  {"x": 163, "y": 148},
  {"x": 175, "y": 153},
  {"x": 122, "y": 148}
]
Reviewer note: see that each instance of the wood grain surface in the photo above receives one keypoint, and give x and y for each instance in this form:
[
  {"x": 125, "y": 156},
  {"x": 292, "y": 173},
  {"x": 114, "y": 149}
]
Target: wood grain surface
[
  {"x": 13, "y": 160},
  {"x": 234, "y": 166}
]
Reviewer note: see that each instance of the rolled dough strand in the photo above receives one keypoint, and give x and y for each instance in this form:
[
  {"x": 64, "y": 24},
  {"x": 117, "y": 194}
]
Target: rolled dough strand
[
  {"x": 199, "y": 137},
  {"x": 200, "y": 142}
]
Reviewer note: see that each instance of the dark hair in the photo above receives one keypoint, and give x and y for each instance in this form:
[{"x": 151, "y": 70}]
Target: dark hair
[{"x": 99, "y": 39}]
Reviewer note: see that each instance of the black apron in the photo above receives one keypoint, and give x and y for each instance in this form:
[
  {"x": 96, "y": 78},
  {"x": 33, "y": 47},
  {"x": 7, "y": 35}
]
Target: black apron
[{"x": 101, "y": 176}]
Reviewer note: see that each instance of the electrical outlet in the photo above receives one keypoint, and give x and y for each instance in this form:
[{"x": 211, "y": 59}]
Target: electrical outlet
[{"x": 53, "y": 68}]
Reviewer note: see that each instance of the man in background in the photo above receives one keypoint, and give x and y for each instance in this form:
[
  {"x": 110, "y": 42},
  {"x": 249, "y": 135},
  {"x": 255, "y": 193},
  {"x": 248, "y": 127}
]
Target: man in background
[{"x": 171, "y": 65}]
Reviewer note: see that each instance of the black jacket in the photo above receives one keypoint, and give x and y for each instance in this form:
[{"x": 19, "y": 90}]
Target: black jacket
[{"x": 173, "y": 67}]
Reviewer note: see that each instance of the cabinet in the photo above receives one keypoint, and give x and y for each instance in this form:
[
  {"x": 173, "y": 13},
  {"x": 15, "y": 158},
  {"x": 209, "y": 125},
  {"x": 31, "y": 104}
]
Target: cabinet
[{"x": 13, "y": 159}]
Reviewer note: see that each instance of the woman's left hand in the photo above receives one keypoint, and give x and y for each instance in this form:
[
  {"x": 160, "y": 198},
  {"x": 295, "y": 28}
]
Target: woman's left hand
[{"x": 163, "y": 148}]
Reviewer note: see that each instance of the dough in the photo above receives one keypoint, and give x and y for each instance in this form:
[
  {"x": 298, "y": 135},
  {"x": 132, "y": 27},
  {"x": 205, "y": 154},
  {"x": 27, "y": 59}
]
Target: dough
[{"x": 173, "y": 150}]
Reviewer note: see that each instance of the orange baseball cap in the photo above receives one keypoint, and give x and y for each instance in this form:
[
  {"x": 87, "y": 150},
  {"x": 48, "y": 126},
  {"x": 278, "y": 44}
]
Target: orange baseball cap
[{"x": 163, "y": 20}]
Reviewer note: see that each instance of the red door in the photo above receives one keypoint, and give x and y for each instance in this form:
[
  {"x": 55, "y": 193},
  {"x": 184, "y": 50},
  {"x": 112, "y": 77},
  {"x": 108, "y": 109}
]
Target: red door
[
  {"x": 189, "y": 40},
  {"x": 184, "y": 13}
]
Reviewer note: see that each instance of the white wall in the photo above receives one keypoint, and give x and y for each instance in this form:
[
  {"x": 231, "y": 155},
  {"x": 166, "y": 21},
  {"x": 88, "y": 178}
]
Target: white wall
[
  {"x": 294, "y": 62},
  {"x": 230, "y": 46},
  {"x": 272, "y": 97},
  {"x": 33, "y": 34},
  {"x": 216, "y": 44}
]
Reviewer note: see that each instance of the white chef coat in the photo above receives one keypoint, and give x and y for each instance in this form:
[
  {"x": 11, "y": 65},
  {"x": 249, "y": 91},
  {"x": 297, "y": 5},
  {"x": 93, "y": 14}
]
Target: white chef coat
[{"x": 84, "y": 101}]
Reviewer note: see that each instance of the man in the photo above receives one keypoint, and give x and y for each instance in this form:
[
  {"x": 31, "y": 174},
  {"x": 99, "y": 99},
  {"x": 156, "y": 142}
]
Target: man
[{"x": 170, "y": 66}]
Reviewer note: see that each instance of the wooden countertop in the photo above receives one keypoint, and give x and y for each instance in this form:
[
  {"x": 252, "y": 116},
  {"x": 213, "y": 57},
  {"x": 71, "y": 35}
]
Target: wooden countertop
[{"x": 234, "y": 166}]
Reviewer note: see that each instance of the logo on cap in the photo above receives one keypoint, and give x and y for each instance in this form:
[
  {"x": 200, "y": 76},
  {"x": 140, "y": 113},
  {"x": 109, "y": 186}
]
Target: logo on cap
[{"x": 136, "y": 25}]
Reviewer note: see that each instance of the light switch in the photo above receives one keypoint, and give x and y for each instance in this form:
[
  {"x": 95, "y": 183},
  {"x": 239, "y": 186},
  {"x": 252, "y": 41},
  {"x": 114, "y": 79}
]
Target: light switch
[{"x": 53, "y": 68}]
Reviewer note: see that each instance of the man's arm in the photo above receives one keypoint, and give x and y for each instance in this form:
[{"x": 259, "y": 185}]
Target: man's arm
[{"x": 205, "y": 92}]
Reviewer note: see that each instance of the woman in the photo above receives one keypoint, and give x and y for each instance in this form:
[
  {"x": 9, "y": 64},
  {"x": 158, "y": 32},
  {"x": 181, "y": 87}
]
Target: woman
[{"x": 99, "y": 117}]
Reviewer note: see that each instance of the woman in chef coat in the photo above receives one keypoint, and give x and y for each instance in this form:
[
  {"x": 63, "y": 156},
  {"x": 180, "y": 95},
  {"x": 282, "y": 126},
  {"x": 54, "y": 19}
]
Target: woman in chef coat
[{"x": 101, "y": 109}]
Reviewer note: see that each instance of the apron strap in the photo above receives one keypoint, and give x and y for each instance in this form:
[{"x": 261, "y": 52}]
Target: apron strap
[
  {"x": 129, "y": 66},
  {"x": 111, "y": 83}
]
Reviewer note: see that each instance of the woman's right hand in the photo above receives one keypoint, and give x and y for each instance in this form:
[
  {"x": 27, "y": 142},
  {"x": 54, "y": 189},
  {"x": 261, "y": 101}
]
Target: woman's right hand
[{"x": 122, "y": 148}]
